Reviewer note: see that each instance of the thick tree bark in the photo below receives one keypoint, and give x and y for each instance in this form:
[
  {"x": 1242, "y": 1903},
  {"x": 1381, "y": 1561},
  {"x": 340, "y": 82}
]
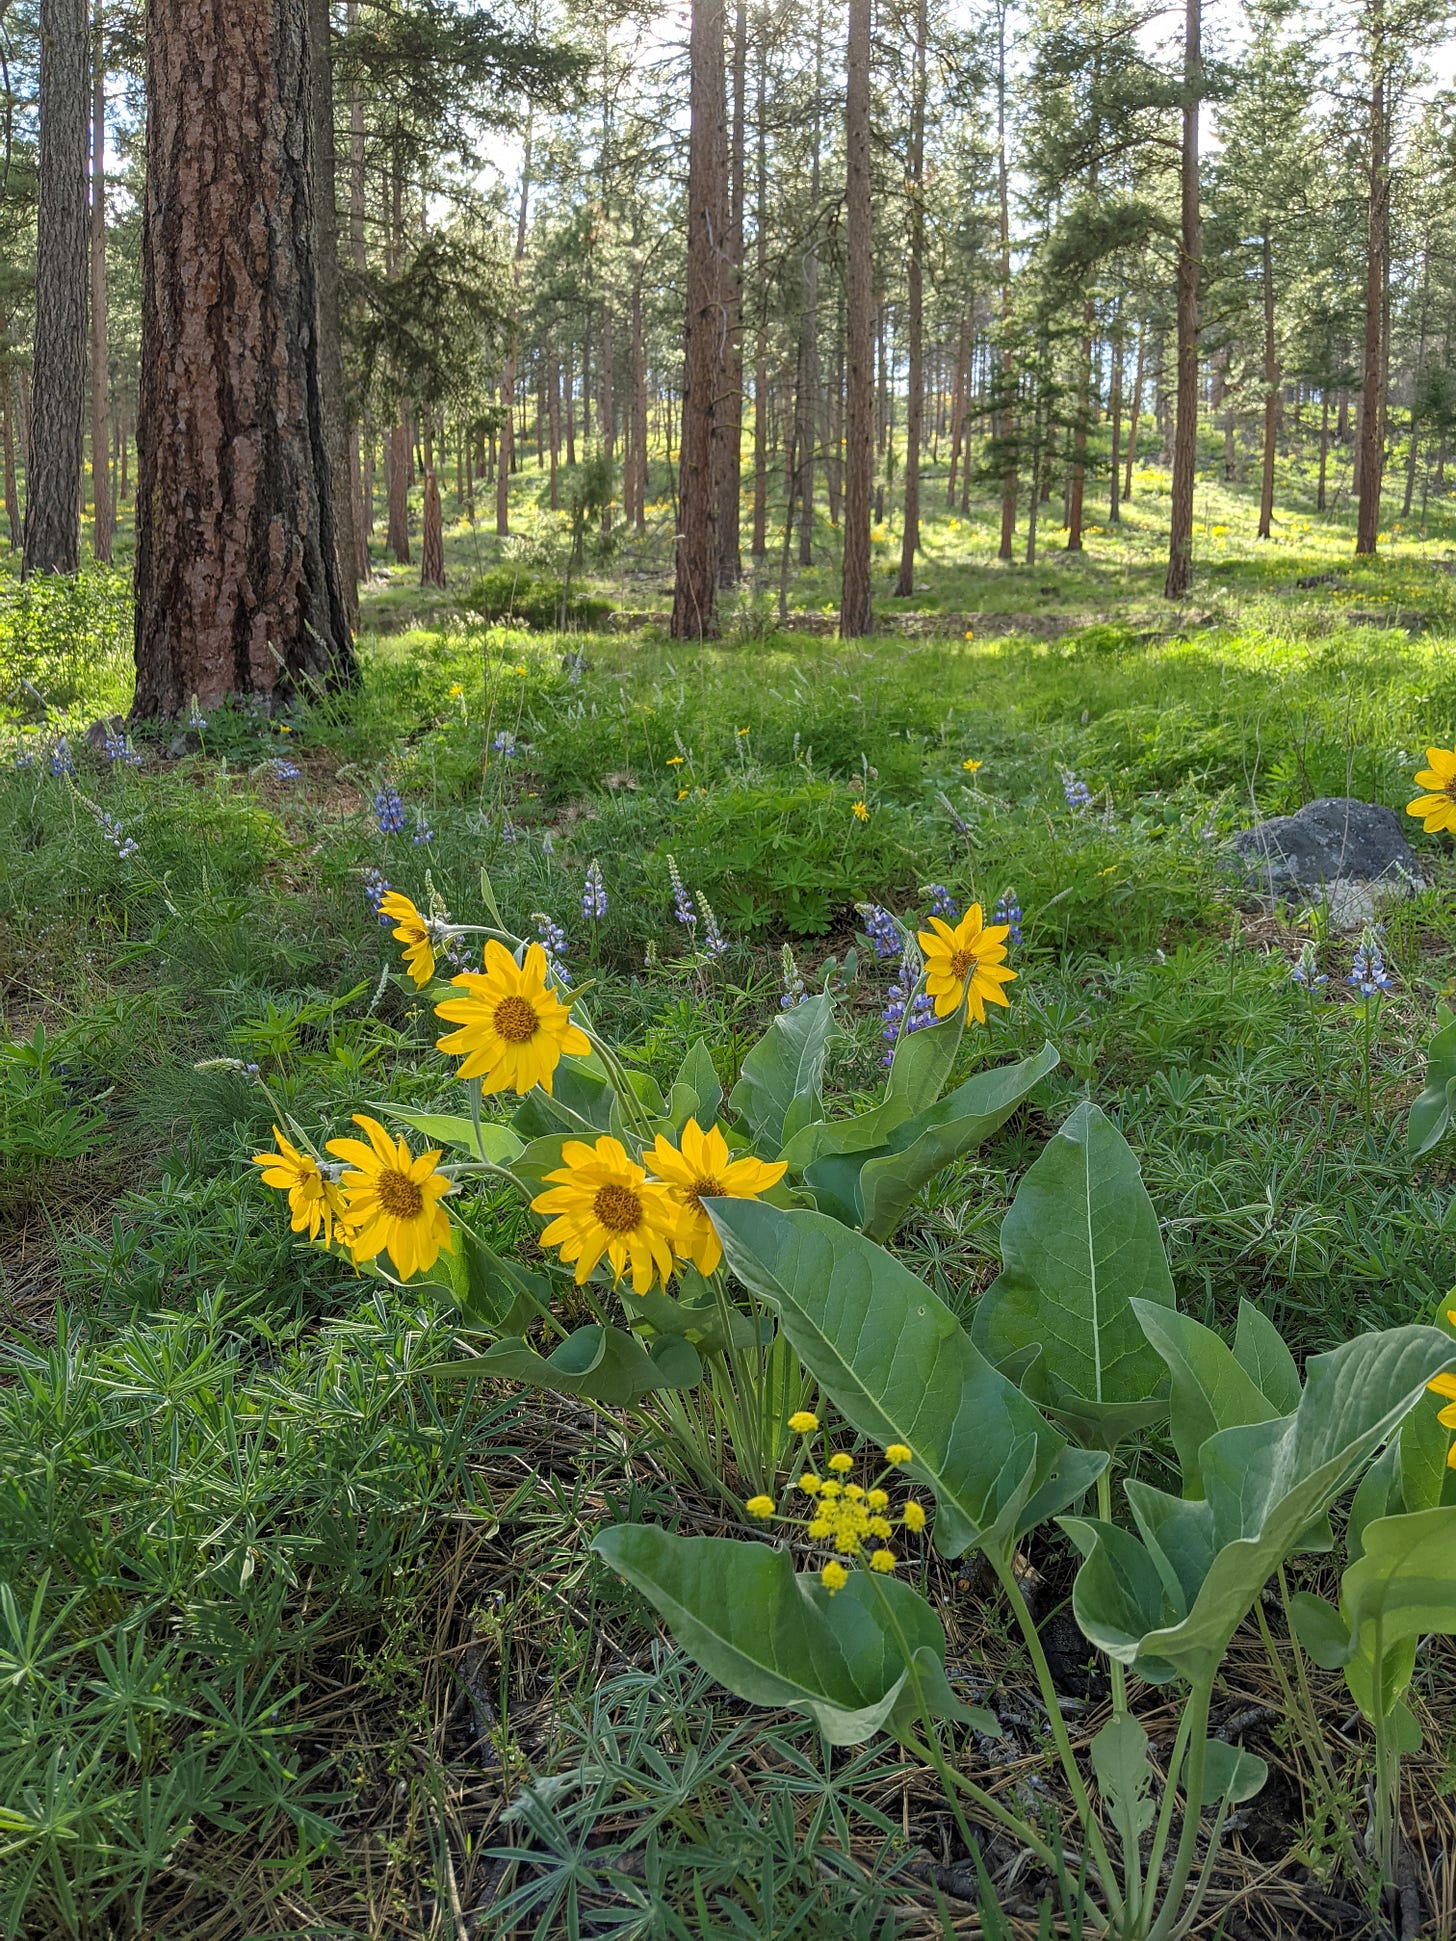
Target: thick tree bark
[
  {"x": 1271, "y": 392},
  {"x": 100, "y": 351},
  {"x": 855, "y": 611},
  {"x": 915, "y": 318},
  {"x": 1190, "y": 255},
  {"x": 1370, "y": 445},
  {"x": 695, "y": 592},
  {"x": 729, "y": 431},
  {"x": 237, "y": 574},
  {"x": 432, "y": 534},
  {"x": 333, "y": 391},
  {"x": 55, "y": 463},
  {"x": 1007, "y": 425}
]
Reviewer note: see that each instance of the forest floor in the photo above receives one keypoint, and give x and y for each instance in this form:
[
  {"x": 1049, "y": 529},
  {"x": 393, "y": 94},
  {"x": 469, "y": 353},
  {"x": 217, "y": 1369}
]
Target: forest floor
[{"x": 299, "y": 1628}]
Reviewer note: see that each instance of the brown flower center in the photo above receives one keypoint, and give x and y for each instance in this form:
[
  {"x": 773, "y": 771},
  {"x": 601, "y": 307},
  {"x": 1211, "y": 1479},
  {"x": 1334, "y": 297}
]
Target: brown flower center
[
  {"x": 400, "y": 1197},
  {"x": 963, "y": 963},
  {"x": 617, "y": 1207},
  {"x": 515, "y": 1020},
  {"x": 704, "y": 1189}
]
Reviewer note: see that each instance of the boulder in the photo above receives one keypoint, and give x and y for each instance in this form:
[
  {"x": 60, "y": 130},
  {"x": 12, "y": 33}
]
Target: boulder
[{"x": 1351, "y": 855}]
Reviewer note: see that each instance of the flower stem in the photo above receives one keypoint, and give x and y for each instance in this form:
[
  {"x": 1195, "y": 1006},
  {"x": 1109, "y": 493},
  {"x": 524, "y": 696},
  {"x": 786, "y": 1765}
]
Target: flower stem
[
  {"x": 1197, "y": 1721},
  {"x": 1117, "y": 1670}
]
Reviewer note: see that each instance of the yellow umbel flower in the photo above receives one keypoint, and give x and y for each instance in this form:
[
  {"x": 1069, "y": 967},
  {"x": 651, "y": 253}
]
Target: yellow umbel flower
[
  {"x": 514, "y": 1027},
  {"x": 760, "y": 1506},
  {"x": 833, "y": 1577},
  {"x": 605, "y": 1204},
  {"x": 414, "y": 933},
  {"x": 803, "y": 1422},
  {"x": 964, "y": 966},
  {"x": 393, "y": 1200},
  {"x": 1438, "y": 808},
  {"x": 314, "y": 1202},
  {"x": 882, "y": 1560},
  {"x": 898, "y": 1453},
  {"x": 913, "y": 1515},
  {"x": 700, "y": 1168}
]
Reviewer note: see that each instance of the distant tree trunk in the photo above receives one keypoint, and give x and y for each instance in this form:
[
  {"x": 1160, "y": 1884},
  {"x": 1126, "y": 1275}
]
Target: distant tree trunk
[
  {"x": 237, "y": 574},
  {"x": 1324, "y": 449},
  {"x": 55, "y": 464},
  {"x": 728, "y": 432},
  {"x": 1190, "y": 254},
  {"x": 1006, "y": 422},
  {"x": 553, "y": 407},
  {"x": 760, "y": 340},
  {"x": 695, "y": 592},
  {"x": 958, "y": 411},
  {"x": 100, "y": 350},
  {"x": 362, "y": 440},
  {"x": 915, "y": 320},
  {"x": 806, "y": 390},
  {"x": 7, "y": 424},
  {"x": 334, "y": 395},
  {"x": 1114, "y": 405},
  {"x": 1136, "y": 412},
  {"x": 398, "y": 465},
  {"x": 570, "y": 389},
  {"x": 639, "y": 412},
  {"x": 1271, "y": 392},
  {"x": 508, "y": 379},
  {"x": 855, "y": 612},
  {"x": 432, "y": 532},
  {"x": 1370, "y": 444}
]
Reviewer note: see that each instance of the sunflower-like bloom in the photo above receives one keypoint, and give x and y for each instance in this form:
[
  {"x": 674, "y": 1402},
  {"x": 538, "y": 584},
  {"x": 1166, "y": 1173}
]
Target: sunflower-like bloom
[
  {"x": 964, "y": 965},
  {"x": 513, "y": 1025},
  {"x": 315, "y": 1203},
  {"x": 605, "y": 1204},
  {"x": 1437, "y": 808},
  {"x": 701, "y": 1168},
  {"x": 393, "y": 1200},
  {"x": 413, "y": 932}
]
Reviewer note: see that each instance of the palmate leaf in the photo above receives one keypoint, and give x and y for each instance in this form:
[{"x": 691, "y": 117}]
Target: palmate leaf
[
  {"x": 1080, "y": 1243},
  {"x": 774, "y": 1636},
  {"x": 1172, "y": 1601},
  {"x": 900, "y": 1367}
]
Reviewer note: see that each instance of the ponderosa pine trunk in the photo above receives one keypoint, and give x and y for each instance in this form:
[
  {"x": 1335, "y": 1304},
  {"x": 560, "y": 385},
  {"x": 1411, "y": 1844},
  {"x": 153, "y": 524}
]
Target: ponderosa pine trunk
[
  {"x": 760, "y": 340},
  {"x": 1190, "y": 256},
  {"x": 237, "y": 575},
  {"x": 1271, "y": 392},
  {"x": 1370, "y": 434},
  {"x": 915, "y": 318},
  {"x": 855, "y": 607},
  {"x": 7, "y": 431},
  {"x": 728, "y": 434},
  {"x": 1006, "y": 423},
  {"x": 100, "y": 352},
  {"x": 695, "y": 589},
  {"x": 55, "y": 461},
  {"x": 398, "y": 465},
  {"x": 958, "y": 412},
  {"x": 333, "y": 391},
  {"x": 508, "y": 376}
]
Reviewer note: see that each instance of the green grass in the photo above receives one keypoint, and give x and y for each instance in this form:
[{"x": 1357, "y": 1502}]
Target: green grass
[{"x": 300, "y": 1632}]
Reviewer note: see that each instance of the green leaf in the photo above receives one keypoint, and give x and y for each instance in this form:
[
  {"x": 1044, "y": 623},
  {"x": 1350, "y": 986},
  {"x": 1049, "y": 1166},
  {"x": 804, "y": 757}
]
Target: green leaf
[
  {"x": 784, "y": 1072},
  {"x": 1261, "y": 1351},
  {"x": 901, "y": 1368},
  {"x": 498, "y": 1295},
  {"x": 497, "y": 1142},
  {"x": 923, "y": 1062},
  {"x": 600, "y": 1364},
  {"x": 1430, "y": 1116},
  {"x": 1205, "y": 1561},
  {"x": 921, "y": 1146},
  {"x": 1124, "y": 1777},
  {"x": 1210, "y": 1388},
  {"x": 580, "y": 1103},
  {"x": 1080, "y": 1243},
  {"x": 1402, "y": 1588},
  {"x": 1230, "y": 1773},
  {"x": 1320, "y": 1629},
  {"x": 773, "y": 1635},
  {"x": 696, "y": 1092}
]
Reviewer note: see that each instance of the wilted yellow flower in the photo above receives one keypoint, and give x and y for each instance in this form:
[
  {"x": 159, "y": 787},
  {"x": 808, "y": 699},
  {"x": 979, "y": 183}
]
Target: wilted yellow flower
[
  {"x": 414, "y": 933},
  {"x": 606, "y": 1205},
  {"x": 700, "y": 1167},
  {"x": 964, "y": 965},
  {"x": 1438, "y": 808},
  {"x": 314, "y": 1202},
  {"x": 393, "y": 1200},
  {"x": 514, "y": 1027}
]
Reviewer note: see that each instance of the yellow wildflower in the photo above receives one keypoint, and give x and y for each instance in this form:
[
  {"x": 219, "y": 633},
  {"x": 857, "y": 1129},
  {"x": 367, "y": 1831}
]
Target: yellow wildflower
[
  {"x": 841, "y": 1462},
  {"x": 861, "y": 811},
  {"x": 833, "y": 1577},
  {"x": 913, "y": 1515},
  {"x": 675, "y": 761},
  {"x": 808, "y": 1483},
  {"x": 700, "y": 1168},
  {"x": 413, "y": 932},
  {"x": 314, "y": 1202},
  {"x": 760, "y": 1506},
  {"x": 514, "y": 1027},
  {"x": 393, "y": 1199},
  {"x": 964, "y": 966},
  {"x": 803, "y": 1422},
  {"x": 897, "y": 1453},
  {"x": 972, "y": 766},
  {"x": 605, "y": 1204},
  {"x": 1437, "y": 808},
  {"x": 882, "y": 1561}
]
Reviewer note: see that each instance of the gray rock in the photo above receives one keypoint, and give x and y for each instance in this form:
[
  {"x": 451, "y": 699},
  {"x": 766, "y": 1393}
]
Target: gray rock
[
  {"x": 98, "y": 732},
  {"x": 1352, "y": 855},
  {"x": 189, "y": 742}
]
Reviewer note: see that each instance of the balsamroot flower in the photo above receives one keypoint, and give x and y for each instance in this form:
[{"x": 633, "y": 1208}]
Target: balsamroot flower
[
  {"x": 413, "y": 931},
  {"x": 315, "y": 1203},
  {"x": 965, "y": 965},
  {"x": 393, "y": 1200},
  {"x": 514, "y": 1027},
  {"x": 1437, "y": 808},
  {"x": 605, "y": 1204},
  {"x": 700, "y": 1167}
]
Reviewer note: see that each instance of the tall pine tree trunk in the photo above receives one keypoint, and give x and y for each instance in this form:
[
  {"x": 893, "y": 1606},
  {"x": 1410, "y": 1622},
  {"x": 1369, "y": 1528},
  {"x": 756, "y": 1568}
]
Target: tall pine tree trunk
[
  {"x": 55, "y": 463},
  {"x": 1136, "y": 412},
  {"x": 335, "y": 402},
  {"x": 1006, "y": 424},
  {"x": 237, "y": 574},
  {"x": 760, "y": 339},
  {"x": 100, "y": 350},
  {"x": 958, "y": 410},
  {"x": 639, "y": 412},
  {"x": 1190, "y": 255},
  {"x": 855, "y": 612},
  {"x": 729, "y": 427},
  {"x": 915, "y": 320},
  {"x": 508, "y": 377},
  {"x": 1271, "y": 392},
  {"x": 695, "y": 591},
  {"x": 1370, "y": 436}
]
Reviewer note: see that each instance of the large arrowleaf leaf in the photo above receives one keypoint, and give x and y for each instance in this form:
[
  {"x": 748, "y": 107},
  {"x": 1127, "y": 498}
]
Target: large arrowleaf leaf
[
  {"x": 1211, "y": 1389},
  {"x": 1079, "y": 1245},
  {"x": 774, "y": 1636},
  {"x": 491, "y": 1140},
  {"x": 1173, "y": 1600},
  {"x": 779, "y": 1088},
  {"x": 600, "y": 1364},
  {"x": 901, "y": 1368}
]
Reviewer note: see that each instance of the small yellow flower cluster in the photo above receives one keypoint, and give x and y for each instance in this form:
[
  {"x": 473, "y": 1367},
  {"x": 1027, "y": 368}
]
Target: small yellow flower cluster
[{"x": 850, "y": 1520}]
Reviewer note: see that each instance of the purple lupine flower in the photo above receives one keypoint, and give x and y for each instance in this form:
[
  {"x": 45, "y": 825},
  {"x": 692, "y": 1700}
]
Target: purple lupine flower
[
  {"x": 1307, "y": 973},
  {"x": 376, "y": 887},
  {"x": 61, "y": 757},
  {"x": 122, "y": 843},
  {"x": 1368, "y": 974},
  {"x": 1078, "y": 795},
  {"x": 942, "y": 903},
  {"x": 388, "y": 810},
  {"x": 682, "y": 903},
  {"x": 594, "y": 896},
  {"x": 714, "y": 942},
  {"x": 1008, "y": 911},
  {"x": 882, "y": 930}
]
